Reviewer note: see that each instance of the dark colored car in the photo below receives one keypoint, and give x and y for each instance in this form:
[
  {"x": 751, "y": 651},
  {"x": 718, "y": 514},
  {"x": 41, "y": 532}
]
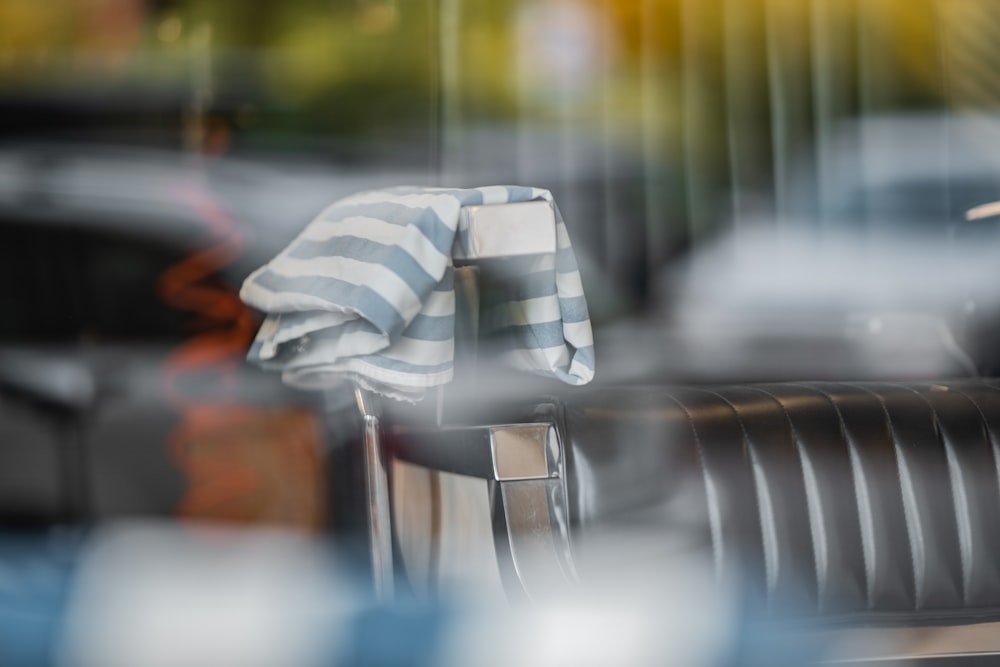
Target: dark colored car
[{"x": 122, "y": 340}]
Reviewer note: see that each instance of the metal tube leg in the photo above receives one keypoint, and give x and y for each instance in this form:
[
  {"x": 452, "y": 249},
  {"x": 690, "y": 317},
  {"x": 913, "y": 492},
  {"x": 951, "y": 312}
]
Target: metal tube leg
[{"x": 378, "y": 501}]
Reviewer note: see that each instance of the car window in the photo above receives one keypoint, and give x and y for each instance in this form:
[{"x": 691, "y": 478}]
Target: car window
[{"x": 67, "y": 283}]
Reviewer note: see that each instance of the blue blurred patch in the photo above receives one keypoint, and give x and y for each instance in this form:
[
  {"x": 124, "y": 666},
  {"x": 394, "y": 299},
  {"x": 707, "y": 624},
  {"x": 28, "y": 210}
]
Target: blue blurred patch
[
  {"x": 403, "y": 634},
  {"x": 34, "y": 585}
]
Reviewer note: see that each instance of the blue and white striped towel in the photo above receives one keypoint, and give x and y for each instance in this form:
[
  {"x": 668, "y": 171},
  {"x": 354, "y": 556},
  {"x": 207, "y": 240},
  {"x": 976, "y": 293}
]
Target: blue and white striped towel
[{"x": 366, "y": 291}]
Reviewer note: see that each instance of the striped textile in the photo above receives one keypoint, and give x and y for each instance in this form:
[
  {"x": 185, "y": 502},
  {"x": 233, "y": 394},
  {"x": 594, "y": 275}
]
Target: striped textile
[{"x": 366, "y": 292}]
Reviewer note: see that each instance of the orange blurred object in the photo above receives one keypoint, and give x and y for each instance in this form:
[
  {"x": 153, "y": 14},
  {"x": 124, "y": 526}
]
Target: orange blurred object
[
  {"x": 242, "y": 463},
  {"x": 252, "y": 466}
]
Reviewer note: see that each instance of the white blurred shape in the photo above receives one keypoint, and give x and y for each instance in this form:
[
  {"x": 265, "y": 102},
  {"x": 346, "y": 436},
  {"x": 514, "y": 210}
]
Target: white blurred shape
[
  {"x": 870, "y": 304},
  {"x": 181, "y": 597},
  {"x": 643, "y": 601},
  {"x": 559, "y": 46}
]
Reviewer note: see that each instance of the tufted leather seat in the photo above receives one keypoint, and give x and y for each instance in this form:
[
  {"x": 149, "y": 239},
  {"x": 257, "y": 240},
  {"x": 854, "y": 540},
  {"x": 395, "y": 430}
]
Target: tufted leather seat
[{"x": 870, "y": 502}]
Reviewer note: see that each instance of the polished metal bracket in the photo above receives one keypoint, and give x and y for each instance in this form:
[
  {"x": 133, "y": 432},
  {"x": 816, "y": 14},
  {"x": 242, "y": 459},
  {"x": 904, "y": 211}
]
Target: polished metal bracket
[
  {"x": 525, "y": 466},
  {"x": 524, "y": 452},
  {"x": 523, "y": 462},
  {"x": 506, "y": 230},
  {"x": 377, "y": 496}
]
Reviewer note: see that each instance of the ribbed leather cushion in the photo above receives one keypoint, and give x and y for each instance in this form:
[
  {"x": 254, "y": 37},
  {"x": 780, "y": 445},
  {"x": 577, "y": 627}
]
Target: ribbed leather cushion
[{"x": 862, "y": 501}]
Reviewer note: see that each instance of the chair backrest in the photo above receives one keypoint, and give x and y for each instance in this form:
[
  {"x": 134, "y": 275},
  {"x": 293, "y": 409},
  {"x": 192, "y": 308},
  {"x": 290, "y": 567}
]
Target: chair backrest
[{"x": 488, "y": 236}]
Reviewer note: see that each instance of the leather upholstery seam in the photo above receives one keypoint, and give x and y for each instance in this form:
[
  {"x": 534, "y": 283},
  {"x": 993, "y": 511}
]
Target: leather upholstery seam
[
  {"x": 714, "y": 511},
  {"x": 908, "y": 509},
  {"x": 770, "y": 553},
  {"x": 961, "y": 515},
  {"x": 813, "y": 505},
  {"x": 860, "y": 493}
]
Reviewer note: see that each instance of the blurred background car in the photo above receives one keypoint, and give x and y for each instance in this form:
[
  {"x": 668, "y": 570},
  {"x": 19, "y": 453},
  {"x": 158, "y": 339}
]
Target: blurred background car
[{"x": 118, "y": 266}]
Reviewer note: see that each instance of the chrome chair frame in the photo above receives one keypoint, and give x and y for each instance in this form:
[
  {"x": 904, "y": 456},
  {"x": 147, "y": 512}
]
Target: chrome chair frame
[{"x": 524, "y": 463}]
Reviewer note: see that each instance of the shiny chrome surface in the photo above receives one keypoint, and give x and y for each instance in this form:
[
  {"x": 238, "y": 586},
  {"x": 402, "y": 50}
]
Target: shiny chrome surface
[
  {"x": 504, "y": 452},
  {"x": 443, "y": 531},
  {"x": 526, "y": 492},
  {"x": 522, "y": 451},
  {"x": 377, "y": 497},
  {"x": 534, "y": 522},
  {"x": 909, "y": 645},
  {"x": 506, "y": 230},
  {"x": 527, "y": 499},
  {"x": 467, "y": 302}
]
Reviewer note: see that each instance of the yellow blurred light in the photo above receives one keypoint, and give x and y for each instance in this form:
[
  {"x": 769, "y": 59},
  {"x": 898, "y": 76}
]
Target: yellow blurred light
[
  {"x": 377, "y": 18},
  {"x": 170, "y": 29}
]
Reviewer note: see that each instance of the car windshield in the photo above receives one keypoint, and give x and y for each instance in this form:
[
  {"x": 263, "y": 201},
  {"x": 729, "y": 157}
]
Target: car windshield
[{"x": 752, "y": 191}]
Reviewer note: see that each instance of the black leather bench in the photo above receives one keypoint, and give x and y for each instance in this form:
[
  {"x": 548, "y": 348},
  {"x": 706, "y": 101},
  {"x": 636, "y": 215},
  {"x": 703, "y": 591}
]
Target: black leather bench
[
  {"x": 840, "y": 504},
  {"x": 849, "y": 503}
]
